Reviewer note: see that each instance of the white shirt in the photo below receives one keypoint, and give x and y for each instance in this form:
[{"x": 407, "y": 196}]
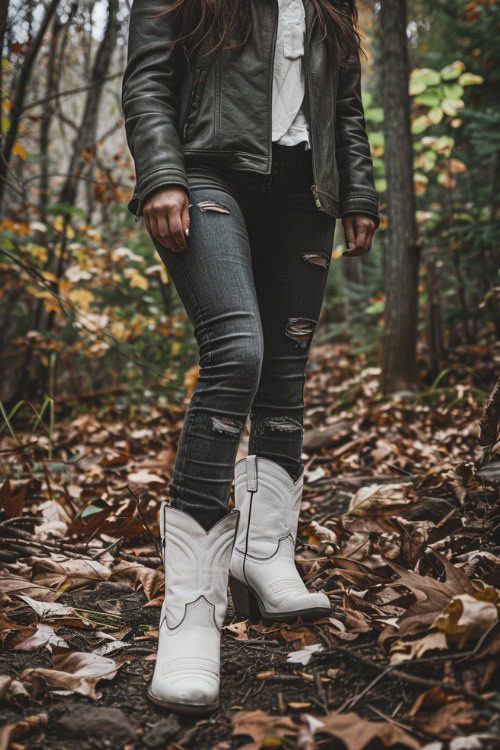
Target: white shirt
[{"x": 289, "y": 124}]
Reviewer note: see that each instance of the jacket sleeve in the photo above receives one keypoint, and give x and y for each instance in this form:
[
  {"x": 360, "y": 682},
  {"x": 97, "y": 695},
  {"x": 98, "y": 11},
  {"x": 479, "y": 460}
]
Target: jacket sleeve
[
  {"x": 150, "y": 99},
  {"x": 356, "y": 185}
]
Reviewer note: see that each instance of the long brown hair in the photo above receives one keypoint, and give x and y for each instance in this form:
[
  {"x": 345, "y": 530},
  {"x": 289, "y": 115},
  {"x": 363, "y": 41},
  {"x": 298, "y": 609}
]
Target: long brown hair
[{"x": 231, "y": 20}]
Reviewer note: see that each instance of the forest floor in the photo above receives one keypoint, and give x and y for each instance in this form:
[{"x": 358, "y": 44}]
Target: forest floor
[{"x": 397, "y": 526}]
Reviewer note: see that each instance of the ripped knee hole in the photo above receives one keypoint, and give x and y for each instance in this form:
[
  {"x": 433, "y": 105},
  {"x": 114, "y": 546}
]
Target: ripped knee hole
[
  {"x": 300, "y": 330},
  {"x": 317, "y": 259},
  {"x": 227, "y": 426},
  {"x": 215, "y": 206},
  {"x": 281, "y": 424}
]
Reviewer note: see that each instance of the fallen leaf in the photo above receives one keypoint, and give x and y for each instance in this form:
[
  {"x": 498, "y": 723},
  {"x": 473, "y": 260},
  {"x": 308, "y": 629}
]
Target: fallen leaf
[
  {"x": 144, "y": 477},
  {"x": 11, "y": 689},
  {"x": 138, "y": 575},
  {"x": 55, "y": 612},
  {"x": 258, "y": 725},
  {"x": 72, "y": 573},
  {"x": 466, "y": 618},
  {"x": 44, "y": 635},
  {"x": 304, "y": 655},
  {"x": 414, "y": 649},
  {"x": 239, "y": 629},
  {"x": 15, "y": 585},
  {"x": 381, "y": 499},
  {"x": 358, "y": 733},
  {"x": 77, "y": 672}
]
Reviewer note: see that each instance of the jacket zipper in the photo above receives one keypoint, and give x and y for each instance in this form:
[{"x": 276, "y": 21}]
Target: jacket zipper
[{"x": 306, "y": 62}]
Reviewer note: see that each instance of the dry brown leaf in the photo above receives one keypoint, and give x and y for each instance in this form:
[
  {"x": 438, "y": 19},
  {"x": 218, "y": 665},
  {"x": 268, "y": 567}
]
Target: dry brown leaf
[
  {"x": 357, "y": 733},
  {"x": 430, "y": 592},
  {"x": 12, "y": 585},
  {"x": 156, "y": 602},
  {"x": 138, "y": 575},
  {"x": 382, "y": 499},
  {"x": 70, "y": 574},
  {"x": 55, "y": 612},
  {"x": 258, "y": 725},
  {"x": 11, "y": 689},
  {"x": 466, "y": 618},
  {"x": 299, "y": 636},
  {"x": 78, "y": 672},
  {"x": 442, "y": 714},
  {"x": 6, "y": 626},
  {"x": 406, "y": 650},
  {"x": 12, "y": 503},
  {"x": 239, "y": 629},
  {"x": 325, "y": 537},
  {"x": 144, "y": 477},
  {"x": 356, "y": 622},
  {"x": 42, "y": 635}
]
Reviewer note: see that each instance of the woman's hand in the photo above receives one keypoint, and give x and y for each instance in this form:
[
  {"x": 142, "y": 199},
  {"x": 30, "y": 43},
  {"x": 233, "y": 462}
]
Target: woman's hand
[
  {"x": 166, "y": 215},
  {"x": 358, "y": 230}
]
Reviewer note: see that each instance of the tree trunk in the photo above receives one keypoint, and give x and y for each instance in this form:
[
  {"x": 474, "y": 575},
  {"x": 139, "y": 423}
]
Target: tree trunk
[
  {"x": 402, "y": 258},
  {"x": 434, "y": 315},
  {"x": 21, "y": 88},
  {"x": 84, "y": 142}
]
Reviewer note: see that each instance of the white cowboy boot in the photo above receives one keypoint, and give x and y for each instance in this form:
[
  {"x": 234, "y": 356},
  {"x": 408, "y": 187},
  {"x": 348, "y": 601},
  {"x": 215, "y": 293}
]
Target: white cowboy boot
[
  {"x": 187, "y": 670},
  {"x": 263, "y": 576}
]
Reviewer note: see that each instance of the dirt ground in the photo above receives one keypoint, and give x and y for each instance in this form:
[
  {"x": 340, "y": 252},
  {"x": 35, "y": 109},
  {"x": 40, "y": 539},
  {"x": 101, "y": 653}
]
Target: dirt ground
[{"x": 399, "y": 526}]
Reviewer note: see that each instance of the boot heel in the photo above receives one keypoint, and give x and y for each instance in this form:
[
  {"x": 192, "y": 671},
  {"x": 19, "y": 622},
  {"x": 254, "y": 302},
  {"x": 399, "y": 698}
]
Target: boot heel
[{"x": 244, "y": 602}]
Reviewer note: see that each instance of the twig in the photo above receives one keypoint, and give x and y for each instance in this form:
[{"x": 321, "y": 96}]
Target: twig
[
  {"x": 148, "y": 562},
  {"x": 321, "y": 692},
  {"x": 391, "y": 671}
]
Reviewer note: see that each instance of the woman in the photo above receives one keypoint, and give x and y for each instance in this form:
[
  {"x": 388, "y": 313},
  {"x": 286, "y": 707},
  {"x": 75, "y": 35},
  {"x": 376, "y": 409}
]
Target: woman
[{"x": 245, "y": 122}]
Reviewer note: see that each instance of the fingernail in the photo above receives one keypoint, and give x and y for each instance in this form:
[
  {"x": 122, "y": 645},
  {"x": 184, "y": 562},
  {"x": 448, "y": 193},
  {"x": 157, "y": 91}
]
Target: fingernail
[{"x": 186, "y": 232}]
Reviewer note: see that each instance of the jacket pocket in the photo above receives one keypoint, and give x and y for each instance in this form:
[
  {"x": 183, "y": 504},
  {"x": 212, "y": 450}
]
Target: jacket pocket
[{"x": 193, "y": 105}]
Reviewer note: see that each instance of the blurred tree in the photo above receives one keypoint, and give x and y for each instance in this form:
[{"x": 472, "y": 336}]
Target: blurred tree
[{"x": 402, "y": 252}]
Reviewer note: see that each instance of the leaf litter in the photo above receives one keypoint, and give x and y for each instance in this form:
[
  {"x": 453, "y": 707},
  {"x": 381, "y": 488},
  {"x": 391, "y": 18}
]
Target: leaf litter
[{"x": 400, "y": 526}]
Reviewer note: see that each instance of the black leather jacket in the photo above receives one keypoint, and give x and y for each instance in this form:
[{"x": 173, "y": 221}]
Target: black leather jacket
[{"x": 221, "y": 110}]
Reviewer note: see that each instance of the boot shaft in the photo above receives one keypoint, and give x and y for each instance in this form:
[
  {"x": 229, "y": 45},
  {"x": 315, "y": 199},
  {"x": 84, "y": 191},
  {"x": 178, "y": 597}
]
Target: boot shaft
[
  {"x": 269, "y": 504},
  {"x": 196, "y": 563}
]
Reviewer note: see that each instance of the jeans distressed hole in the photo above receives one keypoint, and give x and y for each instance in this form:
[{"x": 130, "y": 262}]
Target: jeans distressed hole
[
  {"x": 282, "y": 424},
  {"x": 227, "y": 426},
  {"x": 300, "y": 330},
  {"x": 213, "y": 206},
  {"x": 317, "y": 259}
]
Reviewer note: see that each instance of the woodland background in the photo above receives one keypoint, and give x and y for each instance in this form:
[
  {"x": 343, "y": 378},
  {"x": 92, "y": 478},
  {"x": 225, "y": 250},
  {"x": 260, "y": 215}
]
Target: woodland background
[{"x": 98, "y": 363}]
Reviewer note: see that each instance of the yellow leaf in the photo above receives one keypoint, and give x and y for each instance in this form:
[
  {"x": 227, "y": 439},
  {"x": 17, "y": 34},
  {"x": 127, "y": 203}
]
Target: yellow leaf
[
  {"x": 138, "y": 281},
  {"x": 37, "y": 251},
  {"x": 82, "y": 297},
  {"x": 59, "y": 227},
  {"x": 19, "y": 150}
]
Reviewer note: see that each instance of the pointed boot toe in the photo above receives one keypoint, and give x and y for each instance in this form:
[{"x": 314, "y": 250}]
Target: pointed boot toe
[{"x": 192, "y": 687}]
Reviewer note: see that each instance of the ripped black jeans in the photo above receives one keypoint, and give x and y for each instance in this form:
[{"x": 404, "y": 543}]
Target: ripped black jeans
[{"x": 252, "y": 281}]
